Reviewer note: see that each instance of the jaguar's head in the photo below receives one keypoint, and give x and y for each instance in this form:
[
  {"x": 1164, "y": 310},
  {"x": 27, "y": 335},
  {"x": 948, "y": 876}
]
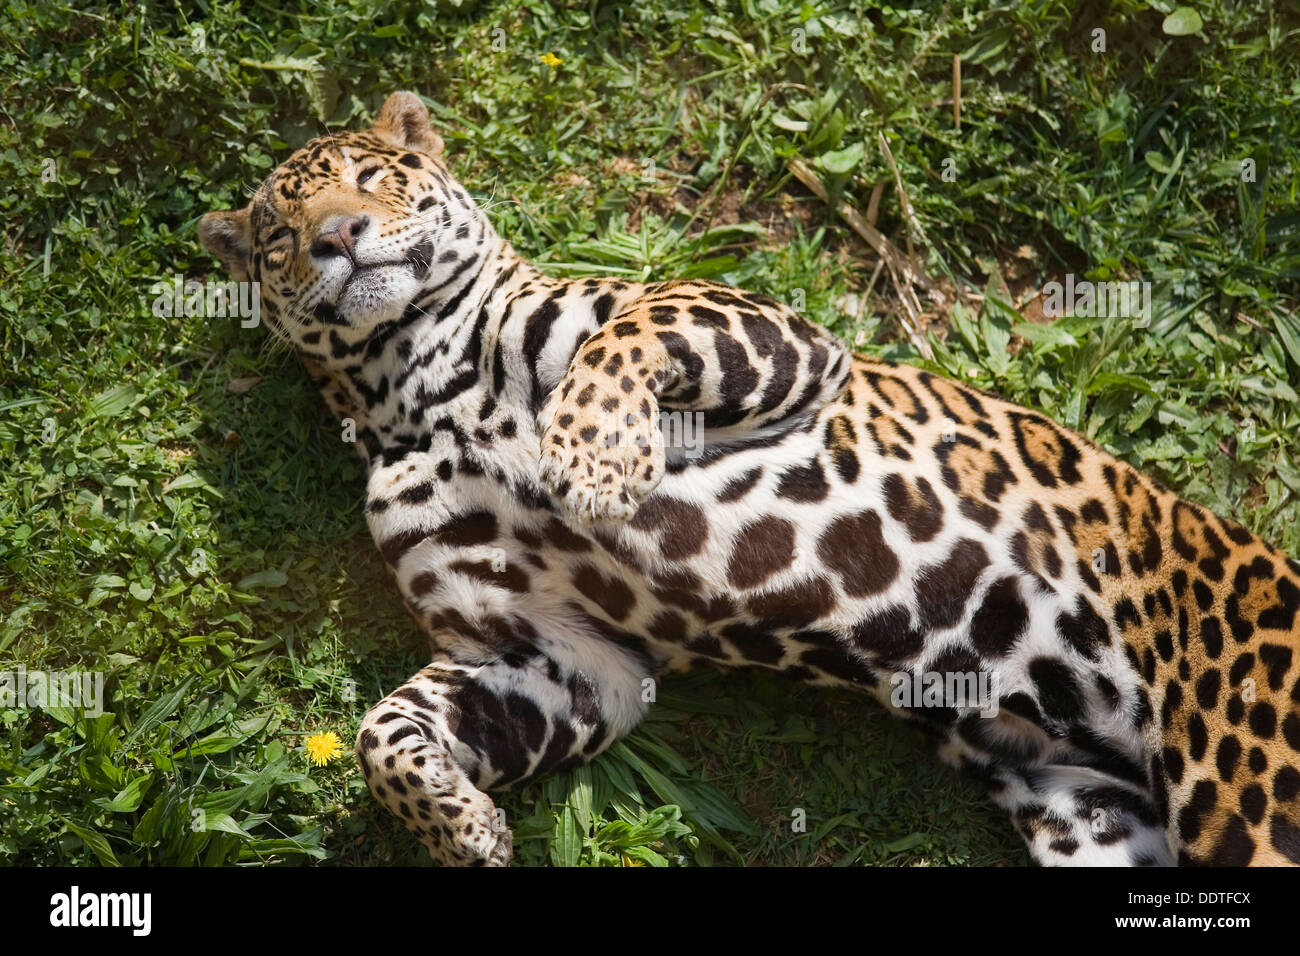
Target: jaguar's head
[{"x": 352, "y": 230}]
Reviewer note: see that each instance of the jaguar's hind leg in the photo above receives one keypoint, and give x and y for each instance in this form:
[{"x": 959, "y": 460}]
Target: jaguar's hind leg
[
  {"x": 1081, "y": 816},
  {"x": 430, "y": 748},
  {"x": 1076, "y": 798}
]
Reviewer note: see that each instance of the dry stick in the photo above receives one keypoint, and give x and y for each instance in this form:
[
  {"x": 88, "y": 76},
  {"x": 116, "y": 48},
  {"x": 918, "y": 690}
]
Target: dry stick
[
  {"x": 870, "y": 290},
  {"x": 909, "y": 217},
  {"x": 956, "y": 91},
  {"x": 875, "y": 274},
  {"x": 913, "y": 272},
  {"x": 873, "y": 236},
  {"x": 912, "y": 307},
  {"x": 894, "y": 260},
  {"x": 873, "y": 204}
]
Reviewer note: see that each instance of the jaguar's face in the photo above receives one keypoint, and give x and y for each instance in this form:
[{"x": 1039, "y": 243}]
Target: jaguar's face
[{"x": 351, "y": 230}]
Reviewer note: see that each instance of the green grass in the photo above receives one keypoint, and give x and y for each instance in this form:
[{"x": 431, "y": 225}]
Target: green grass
[{"x": 204, "y": 548}]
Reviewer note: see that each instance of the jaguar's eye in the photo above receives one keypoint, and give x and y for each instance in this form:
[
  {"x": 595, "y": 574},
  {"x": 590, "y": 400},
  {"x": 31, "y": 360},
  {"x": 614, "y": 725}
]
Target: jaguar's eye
[
  {"x": 366, "y": 175},
  {"x": 284, "y": 232}
]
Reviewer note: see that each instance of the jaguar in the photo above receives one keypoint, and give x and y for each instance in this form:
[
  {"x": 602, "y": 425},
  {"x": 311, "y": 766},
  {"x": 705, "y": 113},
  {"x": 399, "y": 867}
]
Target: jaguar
[{"x": 845, "y": 520}]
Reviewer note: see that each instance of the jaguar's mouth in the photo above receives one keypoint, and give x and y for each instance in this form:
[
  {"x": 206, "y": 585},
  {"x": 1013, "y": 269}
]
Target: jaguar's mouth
[
  {"x": 362, "y": 274},
  {"x": 379, "y": 291},
  {"x": 419, "y": 257}
]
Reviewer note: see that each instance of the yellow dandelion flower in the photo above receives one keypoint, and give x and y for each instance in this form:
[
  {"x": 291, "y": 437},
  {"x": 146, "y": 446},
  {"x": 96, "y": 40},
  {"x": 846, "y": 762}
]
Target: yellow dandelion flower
[
  {"x": 322, "y": 748},
  {"x": 550, "y": 59}
]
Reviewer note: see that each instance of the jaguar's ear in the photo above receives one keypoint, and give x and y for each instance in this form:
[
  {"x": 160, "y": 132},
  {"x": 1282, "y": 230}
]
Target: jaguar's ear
[
  {"x": 404, "y": 121},
  {"x": 228, "y": 235}
]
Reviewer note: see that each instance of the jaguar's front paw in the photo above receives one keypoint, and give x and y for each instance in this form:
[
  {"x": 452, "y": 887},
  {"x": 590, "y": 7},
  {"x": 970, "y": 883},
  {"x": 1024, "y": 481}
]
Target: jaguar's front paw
[{"x": 602, "y": 450}]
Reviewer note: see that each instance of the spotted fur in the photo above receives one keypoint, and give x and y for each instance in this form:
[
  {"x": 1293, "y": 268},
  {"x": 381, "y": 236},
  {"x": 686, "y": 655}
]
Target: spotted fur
[{"x": 848, "y": 520}]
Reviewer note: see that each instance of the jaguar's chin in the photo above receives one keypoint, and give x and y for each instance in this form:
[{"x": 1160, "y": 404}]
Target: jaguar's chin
[{"x": 376, "y": 294}]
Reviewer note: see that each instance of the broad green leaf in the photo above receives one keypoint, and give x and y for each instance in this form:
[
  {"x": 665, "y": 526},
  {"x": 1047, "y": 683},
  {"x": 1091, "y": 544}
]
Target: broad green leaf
[
  {"x": 1050, "y": 335},
  {"x": 129, "y": 797},
  {"x": 271, "y": 578},
  {"x": 97, "y": 842},
  {"x": 1184, "y": 21},
  {"x": 909, "y": 842},
  {"x": 224, "y": 823},
  {"x": 566, "y": 850},
  {"x": 840, "y": 162},
  {"x": 191, "y": 479},
  {"x": 113, "y": 402}
]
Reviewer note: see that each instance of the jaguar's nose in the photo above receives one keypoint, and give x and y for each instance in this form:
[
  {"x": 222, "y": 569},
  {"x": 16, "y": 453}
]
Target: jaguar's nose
[{"x": 338, "y": 236}]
